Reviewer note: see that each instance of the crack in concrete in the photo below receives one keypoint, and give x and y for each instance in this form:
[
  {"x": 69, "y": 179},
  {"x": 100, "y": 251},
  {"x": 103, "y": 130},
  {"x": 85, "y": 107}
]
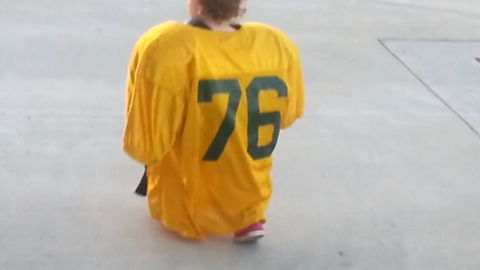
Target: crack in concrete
[{"x": 429, "y": 88}]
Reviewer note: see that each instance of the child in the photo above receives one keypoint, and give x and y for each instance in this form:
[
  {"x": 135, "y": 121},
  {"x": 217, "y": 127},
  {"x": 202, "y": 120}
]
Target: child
[{"x": 205, "y": 103}]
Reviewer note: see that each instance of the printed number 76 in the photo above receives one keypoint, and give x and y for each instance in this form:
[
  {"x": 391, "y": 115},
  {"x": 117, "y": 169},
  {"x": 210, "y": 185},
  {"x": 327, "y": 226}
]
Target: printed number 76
[{"x": 208, "y": 88}]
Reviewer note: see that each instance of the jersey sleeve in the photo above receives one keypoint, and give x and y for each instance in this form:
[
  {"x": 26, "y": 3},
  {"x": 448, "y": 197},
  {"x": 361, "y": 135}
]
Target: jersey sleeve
[
  {"x": 155, "y": 117},
  {"x": 155, "y": 101},
  {"x": 296, "y": 93}
]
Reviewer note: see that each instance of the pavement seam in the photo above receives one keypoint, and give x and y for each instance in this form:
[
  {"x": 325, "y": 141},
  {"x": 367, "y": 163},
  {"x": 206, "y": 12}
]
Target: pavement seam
[
  {"x": 430, "y": 40},
  {"x": 467, "y": 14},
  {"x": 382, "y": 42}
]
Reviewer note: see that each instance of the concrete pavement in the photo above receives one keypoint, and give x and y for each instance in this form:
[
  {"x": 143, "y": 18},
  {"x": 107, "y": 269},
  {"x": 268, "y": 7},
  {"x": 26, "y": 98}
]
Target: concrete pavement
[{"x": 382, "y": 172}]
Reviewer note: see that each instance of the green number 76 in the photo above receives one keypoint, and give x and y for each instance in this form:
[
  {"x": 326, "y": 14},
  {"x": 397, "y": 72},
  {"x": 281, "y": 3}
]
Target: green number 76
[{"x": 208, "y": 88}]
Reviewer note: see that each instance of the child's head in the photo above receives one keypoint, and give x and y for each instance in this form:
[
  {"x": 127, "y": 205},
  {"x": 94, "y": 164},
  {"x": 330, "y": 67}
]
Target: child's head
[{"x": 217, "y": 10}]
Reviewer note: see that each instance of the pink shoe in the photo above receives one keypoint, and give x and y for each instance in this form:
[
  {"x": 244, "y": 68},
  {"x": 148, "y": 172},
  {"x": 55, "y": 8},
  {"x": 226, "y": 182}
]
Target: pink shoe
[{"x": 250, "y": 234}]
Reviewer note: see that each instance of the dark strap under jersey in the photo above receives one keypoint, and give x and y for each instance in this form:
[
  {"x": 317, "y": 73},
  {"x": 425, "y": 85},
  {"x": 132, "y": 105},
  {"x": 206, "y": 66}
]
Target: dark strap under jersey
[{"x": 143, "y": 185}]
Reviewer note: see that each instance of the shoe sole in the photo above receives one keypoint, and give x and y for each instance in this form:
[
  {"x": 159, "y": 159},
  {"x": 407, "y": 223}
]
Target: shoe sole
[{"x": 250, "y": 237}]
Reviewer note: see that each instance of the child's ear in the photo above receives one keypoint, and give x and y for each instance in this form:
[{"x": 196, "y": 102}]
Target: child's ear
[
  {"x": 198, "y": 7},
  {"x": 243, "y": 8}
]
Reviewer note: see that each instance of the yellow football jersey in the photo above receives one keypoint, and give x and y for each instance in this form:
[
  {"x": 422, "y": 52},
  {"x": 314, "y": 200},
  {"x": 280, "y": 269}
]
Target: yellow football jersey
[{"x": 204, "y": 110}]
